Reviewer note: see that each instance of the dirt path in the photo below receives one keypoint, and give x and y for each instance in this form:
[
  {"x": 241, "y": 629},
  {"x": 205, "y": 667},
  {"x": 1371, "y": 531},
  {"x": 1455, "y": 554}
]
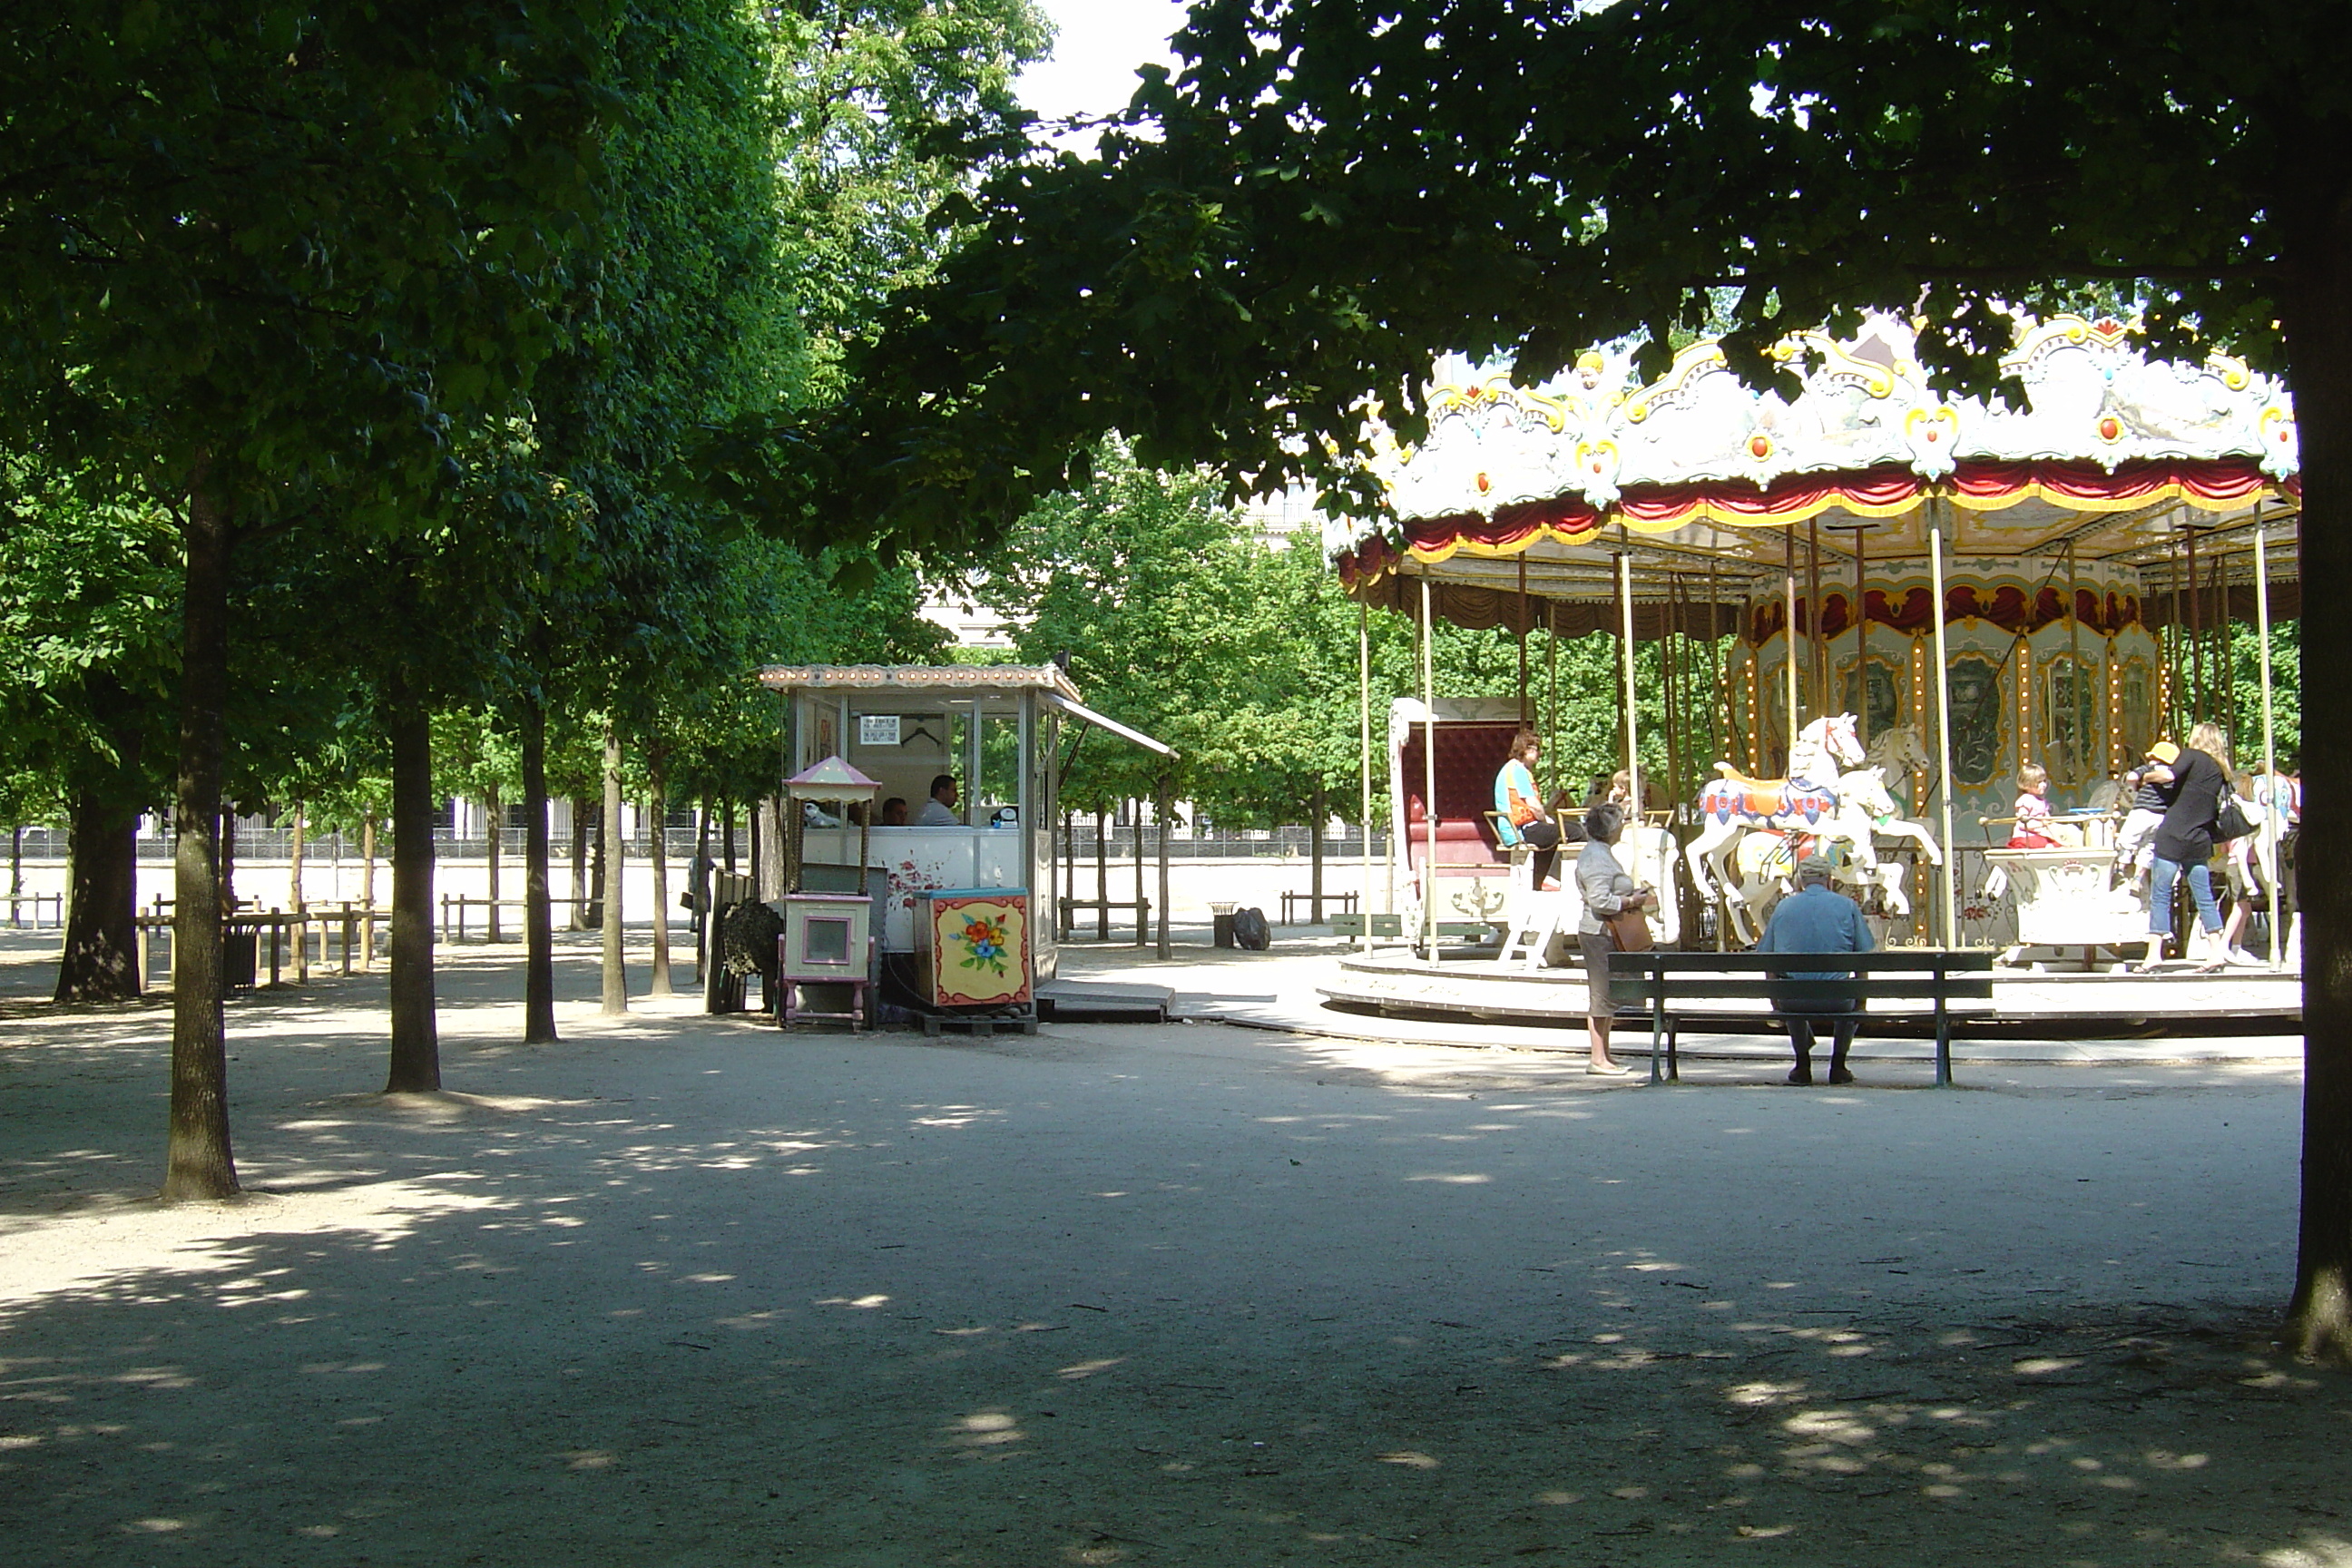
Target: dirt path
[{"x": 683, "y": 1291}]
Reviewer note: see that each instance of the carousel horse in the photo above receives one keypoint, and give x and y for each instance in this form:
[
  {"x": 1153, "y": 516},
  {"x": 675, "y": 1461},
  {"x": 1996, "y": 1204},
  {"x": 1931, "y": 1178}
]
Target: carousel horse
[
  {"x": 1905, "y": 758},
  {"x": 1811, "y": 799},
  {"x": 1765, "y": 862}
]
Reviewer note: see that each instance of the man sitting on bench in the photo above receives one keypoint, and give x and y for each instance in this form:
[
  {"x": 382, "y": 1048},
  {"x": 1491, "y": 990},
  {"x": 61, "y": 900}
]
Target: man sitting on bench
[{"x": 1816, "y": 918}]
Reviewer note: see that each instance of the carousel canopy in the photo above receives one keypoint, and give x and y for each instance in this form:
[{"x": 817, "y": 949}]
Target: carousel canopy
[{"x": 1522, "y": 495}]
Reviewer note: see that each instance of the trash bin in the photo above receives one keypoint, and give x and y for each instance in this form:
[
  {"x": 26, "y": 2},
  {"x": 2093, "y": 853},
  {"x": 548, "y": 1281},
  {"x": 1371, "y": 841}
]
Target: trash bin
[
  {"x": 1221, "y": 918},
  {"x": 240, "y": 952}
]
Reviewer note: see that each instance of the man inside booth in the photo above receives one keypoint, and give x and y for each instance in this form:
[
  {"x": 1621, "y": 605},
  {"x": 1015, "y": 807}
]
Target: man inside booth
[{"x": 939, "y": 811}]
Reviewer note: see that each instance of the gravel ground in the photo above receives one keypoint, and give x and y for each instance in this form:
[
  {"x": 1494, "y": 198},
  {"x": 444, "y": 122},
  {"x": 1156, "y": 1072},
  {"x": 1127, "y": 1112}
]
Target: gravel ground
[{"x": 687, "y": 1291}]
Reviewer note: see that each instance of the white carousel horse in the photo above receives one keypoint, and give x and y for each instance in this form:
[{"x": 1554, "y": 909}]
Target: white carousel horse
[
  {"x": 1813, "y": 799},
  {"x": 1904, "y": 756},
  {"x": 1765, "y": 861}
]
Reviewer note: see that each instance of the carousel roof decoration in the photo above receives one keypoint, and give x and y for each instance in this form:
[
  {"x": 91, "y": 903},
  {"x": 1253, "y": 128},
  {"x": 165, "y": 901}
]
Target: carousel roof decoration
[
  {"x": 2107, "y": 437},
  {"x": 966, "y": 680}
]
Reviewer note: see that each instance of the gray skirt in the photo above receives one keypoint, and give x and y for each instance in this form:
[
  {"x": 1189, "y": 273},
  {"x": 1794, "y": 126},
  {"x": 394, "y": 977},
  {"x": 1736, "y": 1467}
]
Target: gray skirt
[{"x": 1597, "y": 947}]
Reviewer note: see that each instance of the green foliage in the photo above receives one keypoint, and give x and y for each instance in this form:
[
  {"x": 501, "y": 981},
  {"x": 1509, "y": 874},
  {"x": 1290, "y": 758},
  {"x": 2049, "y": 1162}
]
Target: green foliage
[
  {"x": 884, "y": 107},
  {"x": 89, "y": 641},
  {"x": 1183, "y": 621},
  {"x": 1316, "y": 204}
]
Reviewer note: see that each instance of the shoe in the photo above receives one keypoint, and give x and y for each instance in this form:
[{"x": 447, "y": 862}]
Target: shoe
[
  {"x": 1840, "y": 1075},
  {"x": 1799, "y": 1076},
  {"x": 1550, "y": 885},
  {"x": 1616, "y": 1069},
  {"x": 2240, "y": 958}
]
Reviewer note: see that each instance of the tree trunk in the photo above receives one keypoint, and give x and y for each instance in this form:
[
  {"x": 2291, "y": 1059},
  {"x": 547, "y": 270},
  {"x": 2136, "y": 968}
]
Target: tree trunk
[
  {"x": 701, "y": 879},
  {"x": 727, "y": 815},
  {"x": 294, "y": 863},
  {"x": 367, "y": 889},
  {"x": 101, "y": 959},
  {"x": 657, "y": 808},
  {"x": 756, "y": 887},
  {"x": 537, "y": 915},
  {"x": 580, "y": 833},
  {"x": 15, "y": 869},
  {"x": 597, "y": 855},
  {"x": 228, "y": 856},
  {"x": 1315, "y": 811},
  {"x": 2317, "y": 318},
  {"x": 610, "y": 862},
  {"x": 1166, "y": 806},
  {"x": 197, "y": 1160},
  {"x": 496, "y": 815},
  {"x": 415, "y": 1043}
]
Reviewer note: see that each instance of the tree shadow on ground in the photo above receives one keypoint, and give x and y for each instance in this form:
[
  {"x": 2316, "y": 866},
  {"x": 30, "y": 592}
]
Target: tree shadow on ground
[{"x": 692, "y": 1291}]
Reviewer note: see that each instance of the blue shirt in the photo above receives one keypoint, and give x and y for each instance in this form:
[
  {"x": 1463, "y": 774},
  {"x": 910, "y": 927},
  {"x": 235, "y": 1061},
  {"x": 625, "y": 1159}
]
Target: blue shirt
[{"x": 1816, "y": 919}]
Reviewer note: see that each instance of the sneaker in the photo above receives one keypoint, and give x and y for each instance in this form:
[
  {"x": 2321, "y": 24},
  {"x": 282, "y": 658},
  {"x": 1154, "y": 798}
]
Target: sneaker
[
  {"x": 1550, "y": 885},
  {"x": 2239, "y": 957}
]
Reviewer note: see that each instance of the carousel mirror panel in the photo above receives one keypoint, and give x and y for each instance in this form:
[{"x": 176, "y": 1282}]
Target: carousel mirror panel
[
  {"x": 2070, "y": 721},
  {"x": 1975, "y": 721}
]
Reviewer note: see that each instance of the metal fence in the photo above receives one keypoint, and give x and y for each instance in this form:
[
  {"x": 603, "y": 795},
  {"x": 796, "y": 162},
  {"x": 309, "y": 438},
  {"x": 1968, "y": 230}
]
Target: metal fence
[{"x": 277, "y": 844}]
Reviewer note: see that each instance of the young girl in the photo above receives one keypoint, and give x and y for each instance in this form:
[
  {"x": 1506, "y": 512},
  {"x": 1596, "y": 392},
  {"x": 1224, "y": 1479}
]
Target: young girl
[{"x": 2033, "y": 828}]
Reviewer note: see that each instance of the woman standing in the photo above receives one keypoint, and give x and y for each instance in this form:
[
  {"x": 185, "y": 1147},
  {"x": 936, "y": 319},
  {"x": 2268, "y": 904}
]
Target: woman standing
[
  {"x": 2184, "y": 842},
  {"x": 1519, "y": 810},
  {"x": 1607, "y": 891}
]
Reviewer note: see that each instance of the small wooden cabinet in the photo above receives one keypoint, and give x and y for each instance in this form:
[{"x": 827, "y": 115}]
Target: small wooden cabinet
[{"x": 825, "y": 945}]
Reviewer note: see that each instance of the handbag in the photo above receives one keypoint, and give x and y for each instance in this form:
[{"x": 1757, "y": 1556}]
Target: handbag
[
  {"x": 1628, "y": 932},
  {"x": 2229, "y": 821}
]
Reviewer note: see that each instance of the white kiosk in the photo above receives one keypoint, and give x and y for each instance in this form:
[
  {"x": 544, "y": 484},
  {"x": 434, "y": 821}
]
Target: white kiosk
[{"x": 994, "y": 730}]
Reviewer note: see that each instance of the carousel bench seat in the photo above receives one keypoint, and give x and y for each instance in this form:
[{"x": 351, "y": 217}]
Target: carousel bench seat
[{"x": 1734, "y": 992}]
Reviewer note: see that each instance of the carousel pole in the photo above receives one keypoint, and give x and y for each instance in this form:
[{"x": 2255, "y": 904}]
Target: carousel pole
[
  {"x": 1860, "y": 641},
  {"x": 1942, "y": 723},
  {"x": 1632, "y": 739},
  {"x": 1429, "y": 779},
  {"x": 1526, "y": 714},
  {"x": 2270, "y": 739},
  {"x": 1789, "y": 586},
  {"x": 1668, "y": 688},
  {"x": 2225, "y": 657},
  {"x": 1816, "y": 642},
  {"x": 1551, "y": 677},
  {"x": 1718, "y": 737},
  {"x": 1364, "y": 716},
  {"x": 2195, "y": 637},
  {"x": 2075, "y": 665}
]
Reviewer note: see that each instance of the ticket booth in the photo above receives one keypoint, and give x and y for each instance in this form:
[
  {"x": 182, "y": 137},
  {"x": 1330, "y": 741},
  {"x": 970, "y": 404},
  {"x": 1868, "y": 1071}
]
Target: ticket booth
[{"x": 1000, "y": 734}]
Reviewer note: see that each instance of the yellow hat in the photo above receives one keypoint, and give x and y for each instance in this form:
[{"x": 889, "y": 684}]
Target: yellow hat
[{"x": 2165, "y": 752}]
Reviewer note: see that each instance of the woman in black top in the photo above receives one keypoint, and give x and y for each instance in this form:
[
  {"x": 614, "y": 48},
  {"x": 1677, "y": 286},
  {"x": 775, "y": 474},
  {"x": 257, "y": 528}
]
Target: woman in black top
[{"x": 2184, "y": 843}]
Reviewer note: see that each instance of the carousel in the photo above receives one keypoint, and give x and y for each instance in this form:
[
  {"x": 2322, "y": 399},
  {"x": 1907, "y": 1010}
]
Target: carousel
[{"x": 1858, "y": 621}]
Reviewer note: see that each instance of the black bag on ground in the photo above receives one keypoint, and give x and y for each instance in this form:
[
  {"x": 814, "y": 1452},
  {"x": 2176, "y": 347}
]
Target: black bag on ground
[{"x": 1251, "y": 933}]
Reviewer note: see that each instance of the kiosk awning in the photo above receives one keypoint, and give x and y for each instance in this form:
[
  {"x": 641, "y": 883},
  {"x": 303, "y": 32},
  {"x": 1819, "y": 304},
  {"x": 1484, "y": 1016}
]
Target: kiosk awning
[{"x": 1080, "y": 711}]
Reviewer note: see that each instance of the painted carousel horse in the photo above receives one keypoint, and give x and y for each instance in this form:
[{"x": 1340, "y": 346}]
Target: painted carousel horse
[
  {"x": 1811, "y": 799},
  {"x": 1763, "y": 862},
  {"x": 1908, "y": 765}
]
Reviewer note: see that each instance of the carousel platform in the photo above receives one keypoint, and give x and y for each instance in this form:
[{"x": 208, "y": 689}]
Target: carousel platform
[{"x": 1399, "y": 983}]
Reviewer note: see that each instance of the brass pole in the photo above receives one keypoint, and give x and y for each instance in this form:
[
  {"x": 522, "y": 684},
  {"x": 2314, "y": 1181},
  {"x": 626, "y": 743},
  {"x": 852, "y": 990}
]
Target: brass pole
[
  {"x": 1364, "y": 710},
  {"x": 2270, "y": 736},
  {"x": 1429, "y": 779},
  {"x": 1943, "y": 722},
  {"x": 1788, "y": 586}
]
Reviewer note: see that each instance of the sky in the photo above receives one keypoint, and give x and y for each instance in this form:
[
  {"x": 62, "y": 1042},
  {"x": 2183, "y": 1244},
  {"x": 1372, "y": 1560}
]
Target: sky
[{"x": 1098, "y": 45}]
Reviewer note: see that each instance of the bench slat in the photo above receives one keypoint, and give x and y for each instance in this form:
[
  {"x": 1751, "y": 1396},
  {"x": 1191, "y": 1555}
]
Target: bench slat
[
  {"x": 1963, "y": 961},
  {"x": 1957, "y": 988}
]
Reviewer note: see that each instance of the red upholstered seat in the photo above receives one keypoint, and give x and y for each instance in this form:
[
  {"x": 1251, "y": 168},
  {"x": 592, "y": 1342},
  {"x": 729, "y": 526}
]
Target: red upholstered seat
[{"x": 1469, "y": 756}]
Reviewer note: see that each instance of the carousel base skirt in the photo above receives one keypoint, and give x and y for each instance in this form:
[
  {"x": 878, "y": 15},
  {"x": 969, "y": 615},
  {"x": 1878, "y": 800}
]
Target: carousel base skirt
[{"x": 2172, "y": 999}]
